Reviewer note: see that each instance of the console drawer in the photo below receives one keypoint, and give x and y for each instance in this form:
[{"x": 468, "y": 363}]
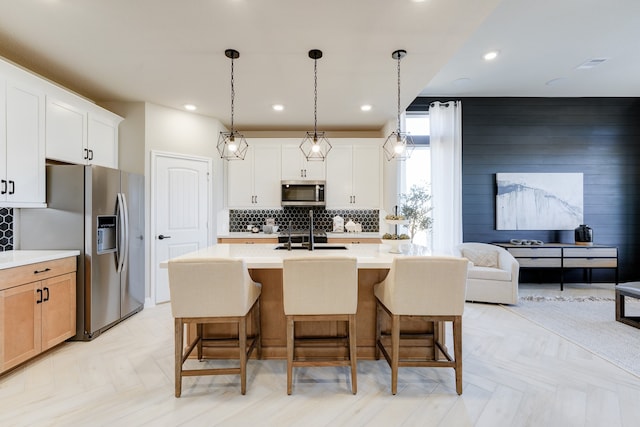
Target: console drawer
[
  {"x": 540, "y": 262},
  {"x": 536, "y": 252},
  {"x": 590, "y": 253},
  {"x": 590, "y": 262}
]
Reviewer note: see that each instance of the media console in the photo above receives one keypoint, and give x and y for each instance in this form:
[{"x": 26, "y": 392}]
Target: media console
[{"x": 564, "y": 256}]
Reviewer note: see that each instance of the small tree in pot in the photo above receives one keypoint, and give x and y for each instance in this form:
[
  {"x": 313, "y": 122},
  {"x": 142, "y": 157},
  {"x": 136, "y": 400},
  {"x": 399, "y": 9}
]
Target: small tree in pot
[{"x": 416, "y": 208}]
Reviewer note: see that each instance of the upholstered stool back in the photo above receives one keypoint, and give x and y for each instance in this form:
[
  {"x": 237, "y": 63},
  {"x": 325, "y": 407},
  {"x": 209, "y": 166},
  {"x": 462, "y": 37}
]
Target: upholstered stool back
[
  {"x": 326, "y": 285},
  {"x": 205, "y": 287},
  {"x": 423, "y": 286}
]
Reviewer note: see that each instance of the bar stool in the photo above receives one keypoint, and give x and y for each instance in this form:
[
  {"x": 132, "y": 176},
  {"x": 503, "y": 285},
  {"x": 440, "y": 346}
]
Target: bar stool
[
  {"x": 422, "y": 288},
  {"x": 320, "y": 289},
  {"x": 208, "y": 291}
]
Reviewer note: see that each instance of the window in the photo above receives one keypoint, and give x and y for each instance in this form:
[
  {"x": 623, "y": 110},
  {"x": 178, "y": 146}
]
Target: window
[
  {"x": 417, "y": 171},
  {"x": 417, "y": 124}
]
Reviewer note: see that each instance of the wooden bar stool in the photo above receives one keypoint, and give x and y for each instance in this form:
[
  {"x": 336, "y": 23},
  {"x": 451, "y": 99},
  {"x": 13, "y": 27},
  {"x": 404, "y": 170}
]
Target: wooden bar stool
[
  {"x": 431, "y": 289},
  {"x": 213, "y": 290},
  {"x": 320, "y": 289}
]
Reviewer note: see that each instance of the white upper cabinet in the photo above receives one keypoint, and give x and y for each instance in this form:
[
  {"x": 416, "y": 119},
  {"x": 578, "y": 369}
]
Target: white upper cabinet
[
  {"x": 80, "y": 132},
  {"x": 255, "y": 181},
  {"x": 22, "y": 144},
  {"x": 353, "y": 176},
  {"x": 295, "y": 166}
]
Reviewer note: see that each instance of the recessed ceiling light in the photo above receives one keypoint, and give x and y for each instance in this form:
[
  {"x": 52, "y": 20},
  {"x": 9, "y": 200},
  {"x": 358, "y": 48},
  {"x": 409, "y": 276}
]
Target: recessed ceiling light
[
  {"x": 489, "y": 56},
  {"x": 190, "y": 107},
  {"x": 365, "y": 107},
  {"x": 277, "y": 107}
]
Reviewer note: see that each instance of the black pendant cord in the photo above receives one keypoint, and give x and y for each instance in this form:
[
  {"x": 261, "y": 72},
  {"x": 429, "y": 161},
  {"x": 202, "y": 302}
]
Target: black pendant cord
[
  {"x": 399, "y": 58},
  {"x": 315, "y": 99},
  {"x": 233, "y": 95}
]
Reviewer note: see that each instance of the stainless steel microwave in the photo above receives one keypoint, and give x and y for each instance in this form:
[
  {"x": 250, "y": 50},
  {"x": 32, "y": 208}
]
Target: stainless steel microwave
[{"x": 303, "y": 193}]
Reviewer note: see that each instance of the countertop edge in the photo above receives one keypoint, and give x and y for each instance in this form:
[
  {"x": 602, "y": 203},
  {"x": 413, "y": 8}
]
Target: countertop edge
[{"x": 18, "y": 258}]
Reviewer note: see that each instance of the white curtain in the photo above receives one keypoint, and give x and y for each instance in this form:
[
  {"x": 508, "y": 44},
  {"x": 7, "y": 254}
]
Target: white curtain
[{"x": 446, "y": 174}]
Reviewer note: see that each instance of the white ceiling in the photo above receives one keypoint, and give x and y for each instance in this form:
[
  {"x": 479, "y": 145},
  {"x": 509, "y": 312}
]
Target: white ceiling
[{"x": 171, "y": 52}]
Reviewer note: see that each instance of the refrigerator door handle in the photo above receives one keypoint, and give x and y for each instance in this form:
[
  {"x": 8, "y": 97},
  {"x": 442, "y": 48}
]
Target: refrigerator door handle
[{"x": 123, "y": 233}]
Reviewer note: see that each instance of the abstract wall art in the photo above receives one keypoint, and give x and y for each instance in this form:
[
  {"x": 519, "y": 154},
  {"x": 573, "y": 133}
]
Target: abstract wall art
[{"x": 539, "y": 201}]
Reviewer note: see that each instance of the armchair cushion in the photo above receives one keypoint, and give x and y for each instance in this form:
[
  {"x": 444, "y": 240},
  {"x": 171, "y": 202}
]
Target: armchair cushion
[{"x": 489, "y": 273}]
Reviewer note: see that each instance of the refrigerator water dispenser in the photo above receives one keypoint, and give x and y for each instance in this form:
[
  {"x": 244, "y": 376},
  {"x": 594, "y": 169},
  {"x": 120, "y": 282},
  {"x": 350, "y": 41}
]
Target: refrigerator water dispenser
[{"x": 106, "y": 239}]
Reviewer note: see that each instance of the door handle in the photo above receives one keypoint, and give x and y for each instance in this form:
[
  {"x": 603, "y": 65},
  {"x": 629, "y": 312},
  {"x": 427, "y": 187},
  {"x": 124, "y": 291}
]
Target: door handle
[
  {"x": 39, "y": 300},
  {"x": 162, "y": 237},
  {"x": 4, "y": 187},
  {"x": 86, "y": 154},
  {"x": 13, "y": 187},
  {"x": 90, "y": 154},
  {"x": 47, "y": 297}
]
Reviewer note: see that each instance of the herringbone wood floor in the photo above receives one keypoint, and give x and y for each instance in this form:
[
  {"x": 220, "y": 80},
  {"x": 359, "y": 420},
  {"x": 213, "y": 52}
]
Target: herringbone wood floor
[{"x": 515, "y": 374}]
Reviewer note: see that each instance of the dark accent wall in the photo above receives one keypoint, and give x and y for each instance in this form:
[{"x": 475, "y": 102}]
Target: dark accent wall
[{"x": 599, "y": 137}]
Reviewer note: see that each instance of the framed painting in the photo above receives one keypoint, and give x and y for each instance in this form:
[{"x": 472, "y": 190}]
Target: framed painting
[{"x": 539, "y": 201}]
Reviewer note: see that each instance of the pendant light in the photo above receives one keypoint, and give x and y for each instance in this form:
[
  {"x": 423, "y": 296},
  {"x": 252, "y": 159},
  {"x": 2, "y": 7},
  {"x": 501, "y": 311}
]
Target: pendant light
[
  {"x": 398, "y": 145},
  {"x": 232, "y": 145},
  {"x": 315, "y": 146}
]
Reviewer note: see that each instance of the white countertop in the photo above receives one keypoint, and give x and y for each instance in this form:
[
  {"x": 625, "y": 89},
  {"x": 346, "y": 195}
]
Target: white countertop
[
  {"x": 370, "y": 256},
  {"x": 10, "y": 259},
  {"x": 261, "y": 235}
]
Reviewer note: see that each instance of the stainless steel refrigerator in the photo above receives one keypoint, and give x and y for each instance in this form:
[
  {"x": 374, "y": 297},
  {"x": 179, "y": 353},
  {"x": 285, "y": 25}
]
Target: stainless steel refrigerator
[{"x": 99, "y": 211}]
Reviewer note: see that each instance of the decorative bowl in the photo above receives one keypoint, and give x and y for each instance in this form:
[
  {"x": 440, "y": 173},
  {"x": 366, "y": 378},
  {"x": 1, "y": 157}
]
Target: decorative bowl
[{"x": 395, "y": 244}]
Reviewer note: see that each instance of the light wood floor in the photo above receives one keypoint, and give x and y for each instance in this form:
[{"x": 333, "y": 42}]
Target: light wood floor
[{"x": 515, "y": 374}]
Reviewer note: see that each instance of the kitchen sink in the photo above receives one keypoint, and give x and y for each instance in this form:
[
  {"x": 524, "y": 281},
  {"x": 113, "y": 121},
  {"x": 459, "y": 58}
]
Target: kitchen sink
[{"x": 318, "y": 247}]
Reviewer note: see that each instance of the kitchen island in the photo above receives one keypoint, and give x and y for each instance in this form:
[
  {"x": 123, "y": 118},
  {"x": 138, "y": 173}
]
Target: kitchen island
[{"x": 264, "y": 262}]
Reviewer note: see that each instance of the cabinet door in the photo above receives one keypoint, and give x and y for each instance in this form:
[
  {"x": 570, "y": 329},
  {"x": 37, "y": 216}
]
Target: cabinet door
[
  {"x": 3, "y": 139},
  {"x": 58, "y": 309},
  {"x": 339, "y": 188},
  {"x": 66, "y": 132},
  {"x": 102, "y": 141},
  {"x": 314, "y": 170},
  {"x": 366, "y": 176},
  {"x": 20, "y": 319},
  {"x": 292, "y": 162},
  {"x": 240, "y": 181},
  {"x": 266, "y": 177},
  {"x": 25, "y": 144}
]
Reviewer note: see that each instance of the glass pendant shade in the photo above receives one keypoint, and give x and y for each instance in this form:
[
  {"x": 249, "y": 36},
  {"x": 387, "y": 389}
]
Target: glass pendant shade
[
  {"x": 232, "y": 145},
  {"x": 399, "y": 145},
  {"x": 315, "y": 146}
]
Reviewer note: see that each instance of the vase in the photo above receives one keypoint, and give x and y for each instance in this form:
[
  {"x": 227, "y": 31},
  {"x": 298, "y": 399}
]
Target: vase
[{"x": 583, "y": 235}]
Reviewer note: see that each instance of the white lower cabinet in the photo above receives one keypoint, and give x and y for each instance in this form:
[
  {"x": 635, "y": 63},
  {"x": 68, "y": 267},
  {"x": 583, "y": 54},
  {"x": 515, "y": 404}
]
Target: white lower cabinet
[
  {"x": 353, "y": 176},
  {"x": 255, "y": 181}
]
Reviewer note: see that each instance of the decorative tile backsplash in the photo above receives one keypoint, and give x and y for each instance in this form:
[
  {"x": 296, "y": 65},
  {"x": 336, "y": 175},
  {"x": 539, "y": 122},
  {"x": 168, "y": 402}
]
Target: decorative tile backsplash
[
  {"x": 6, "y": 229},
  {"x": 239, "y": 219}
]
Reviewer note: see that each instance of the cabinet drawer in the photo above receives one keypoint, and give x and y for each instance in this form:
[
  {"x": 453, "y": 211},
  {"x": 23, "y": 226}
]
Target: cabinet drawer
[
  {"x": 540, "y": 262},
  {"x": 536, "y": 252},
  {"x": 590, "y": 262},
  {"x": 590, "y": 253},
  {"x": 11, "y": 277}
]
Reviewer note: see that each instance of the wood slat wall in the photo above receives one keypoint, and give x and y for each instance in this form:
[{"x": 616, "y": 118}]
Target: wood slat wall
[{"x": 599, "y": 137}]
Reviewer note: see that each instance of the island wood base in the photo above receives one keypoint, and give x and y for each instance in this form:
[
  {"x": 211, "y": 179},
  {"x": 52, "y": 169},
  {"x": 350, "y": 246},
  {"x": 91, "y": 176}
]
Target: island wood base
[{"x": 273, "y": 324}]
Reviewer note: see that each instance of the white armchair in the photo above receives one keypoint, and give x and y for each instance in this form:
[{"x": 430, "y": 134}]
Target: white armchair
[{"x": 494, "y": 274}]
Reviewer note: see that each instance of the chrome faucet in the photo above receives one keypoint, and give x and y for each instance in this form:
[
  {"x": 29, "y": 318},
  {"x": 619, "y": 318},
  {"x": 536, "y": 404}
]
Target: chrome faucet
[
  {"x": 288, "y": 244},
  {"x": 310, "y": 229}
]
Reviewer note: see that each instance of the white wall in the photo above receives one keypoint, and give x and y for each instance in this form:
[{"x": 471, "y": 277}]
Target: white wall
[{"x": 148, "y": 127}]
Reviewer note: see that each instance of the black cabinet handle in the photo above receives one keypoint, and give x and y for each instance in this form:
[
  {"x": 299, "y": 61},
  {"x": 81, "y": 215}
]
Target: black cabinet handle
[
  {"x": 12, "y": 189},
  {"x": 47, "y": 297},
  {"x": 86, "y": 154},
  {"x": 162, "y": 237},
  {"x": 42, "y": 271},
  {"x": 39, "y": 300},
  {"x": 90, "y": 154},
  {"x": 4, "y": 187}
]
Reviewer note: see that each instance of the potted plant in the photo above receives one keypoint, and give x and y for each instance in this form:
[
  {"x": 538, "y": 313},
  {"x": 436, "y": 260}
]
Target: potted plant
[{"x": 416, "y": 208}]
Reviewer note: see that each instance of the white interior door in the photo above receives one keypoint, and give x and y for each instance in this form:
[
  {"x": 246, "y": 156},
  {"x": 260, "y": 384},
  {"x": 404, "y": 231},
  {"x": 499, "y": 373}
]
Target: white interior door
[{"x": 181, "y": 207}]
